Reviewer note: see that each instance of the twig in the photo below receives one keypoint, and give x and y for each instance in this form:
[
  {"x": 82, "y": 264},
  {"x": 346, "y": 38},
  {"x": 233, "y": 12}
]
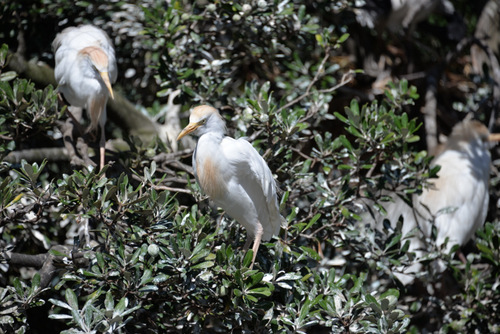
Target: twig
[
  {"x": 303, "y": 155},
  {"x": 173, "y": 189},
  {"x": 159, "y": 187},
  {"x": 346, "y": 78}
]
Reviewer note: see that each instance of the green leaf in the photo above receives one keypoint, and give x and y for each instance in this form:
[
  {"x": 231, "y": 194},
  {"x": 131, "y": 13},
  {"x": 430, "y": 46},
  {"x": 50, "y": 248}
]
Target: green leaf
[
  {"x": 60, "y": 303},
  {"x": 146, "y": 277},
  {"x": 109, "y": 302},
  {"x": 394, "y": 241},
  {"x": 120, "y": 307},
  {"x": 247, "y": 260},
  {"x": 71, "y": 299},
  {"x": 203, "y": 265},
  {"x": 261, "y": 291},
  {"x": 343, "y": 38},
  {"x": 345, "y": 142},
  {"x": 312, "y": 221},
  {"x": 35, "y": 283},
  {"x": 255, "y": 279},
  {"x": 340, "y": 117},
  {"x": 60, "y": 316}
]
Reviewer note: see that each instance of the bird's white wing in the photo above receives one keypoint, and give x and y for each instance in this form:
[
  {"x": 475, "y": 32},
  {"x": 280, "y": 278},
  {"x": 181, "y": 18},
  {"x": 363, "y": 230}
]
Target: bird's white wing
[
  {"x": 459, "y": 198},
  {"x": 255, "y": 177}
]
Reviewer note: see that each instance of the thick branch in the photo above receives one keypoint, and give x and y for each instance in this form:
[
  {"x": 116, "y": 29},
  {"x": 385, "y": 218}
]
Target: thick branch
[
  {"x": 38, "y": 154},
  {"x": 49, "y": 263}
]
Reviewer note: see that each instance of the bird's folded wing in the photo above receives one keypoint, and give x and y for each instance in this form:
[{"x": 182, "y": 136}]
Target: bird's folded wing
[{"x": 256, "y": 178}]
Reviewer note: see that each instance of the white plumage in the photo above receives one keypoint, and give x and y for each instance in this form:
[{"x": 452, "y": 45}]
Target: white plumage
[
  {"x": 459, "y": 198},
  {"x": 233, "y": 174},
  {"x": 456, "y": 202},
  {"x": 85, "y": 69}
]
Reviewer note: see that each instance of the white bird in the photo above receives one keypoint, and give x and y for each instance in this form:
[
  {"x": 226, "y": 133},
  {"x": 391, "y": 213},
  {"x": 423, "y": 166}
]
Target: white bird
[
  {"x": 233, "y": 174},
  {"x": 456, "y": 203},
  {"x": 85, "y": 69}
]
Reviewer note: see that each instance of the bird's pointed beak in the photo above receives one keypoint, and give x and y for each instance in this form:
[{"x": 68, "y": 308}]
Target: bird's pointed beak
[
  {"x": 105, "y": 78},
  {"x": 188, "y": 129},
  {"x": 494, "y": 137}
]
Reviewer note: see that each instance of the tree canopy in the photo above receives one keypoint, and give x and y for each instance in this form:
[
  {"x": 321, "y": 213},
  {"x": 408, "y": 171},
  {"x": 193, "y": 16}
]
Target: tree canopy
[{"x": 346, "y": 101}]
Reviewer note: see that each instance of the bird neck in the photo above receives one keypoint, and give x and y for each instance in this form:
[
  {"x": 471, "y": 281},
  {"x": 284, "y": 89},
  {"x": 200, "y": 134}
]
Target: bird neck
[
  {"x": 212, "y": 136},
  {"x": 474, "y": 146}
]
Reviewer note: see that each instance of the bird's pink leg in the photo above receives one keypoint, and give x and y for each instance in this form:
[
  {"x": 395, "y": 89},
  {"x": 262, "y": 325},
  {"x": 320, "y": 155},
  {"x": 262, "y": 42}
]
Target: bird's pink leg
[
  {"x": 102, "y": 149},
  {"x": 256, "y": 242},
  {"x": 461, "y": 256}
]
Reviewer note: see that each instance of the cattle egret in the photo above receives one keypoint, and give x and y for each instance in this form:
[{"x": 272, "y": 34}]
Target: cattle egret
[
  {"x": 85, "y": 69},
  {"x": 234, "y": 176},
  {"x": 456, "y": 203}
]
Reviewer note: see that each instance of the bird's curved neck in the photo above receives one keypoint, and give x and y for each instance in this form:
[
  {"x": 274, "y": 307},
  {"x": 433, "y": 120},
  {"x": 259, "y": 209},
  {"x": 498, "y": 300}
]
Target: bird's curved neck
[{"x": 212, "y": 136}]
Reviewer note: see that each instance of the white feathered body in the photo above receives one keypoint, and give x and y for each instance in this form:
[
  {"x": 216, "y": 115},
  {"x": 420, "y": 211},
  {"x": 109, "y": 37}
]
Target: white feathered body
[
  {"x": 456, "y": 203},
  {"x": 234, "y": 175},
  {"x": 78, "y": 75},
  {"x": 234, "y": 170}
]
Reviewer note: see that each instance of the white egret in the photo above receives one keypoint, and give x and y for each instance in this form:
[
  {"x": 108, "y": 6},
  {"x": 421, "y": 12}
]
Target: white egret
[
  {"x": 456, "y": 203},
  {"x": 233, "y": 174},
  {"x": 85, "y": 68}
]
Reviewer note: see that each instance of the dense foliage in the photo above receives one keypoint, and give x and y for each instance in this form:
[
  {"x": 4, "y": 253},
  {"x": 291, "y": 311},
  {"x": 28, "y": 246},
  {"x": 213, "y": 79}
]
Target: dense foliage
[{"x": 292, "y": 76}]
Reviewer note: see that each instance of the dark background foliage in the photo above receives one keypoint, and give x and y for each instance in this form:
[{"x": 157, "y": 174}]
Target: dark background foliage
[{"x": 341, "y": 111}]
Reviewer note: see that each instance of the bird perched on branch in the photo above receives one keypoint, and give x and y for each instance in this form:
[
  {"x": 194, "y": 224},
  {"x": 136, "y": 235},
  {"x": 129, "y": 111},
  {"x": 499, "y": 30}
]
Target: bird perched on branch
[
  {"x": 85, "y": 69},
  {"x": 455, "y": 203},
  {"x": 234, "y": 176}
]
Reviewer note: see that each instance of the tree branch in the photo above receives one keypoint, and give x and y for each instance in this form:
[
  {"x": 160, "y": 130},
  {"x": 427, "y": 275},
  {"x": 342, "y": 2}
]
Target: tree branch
[{"x": 49, "y": 263}]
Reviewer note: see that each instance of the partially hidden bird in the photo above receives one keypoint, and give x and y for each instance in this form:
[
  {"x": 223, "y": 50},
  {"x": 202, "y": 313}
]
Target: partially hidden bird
[
  {"x": 85, "y": 69},
  {"x": 234, "y": 175},
  {"x": 456, "y": 202}
]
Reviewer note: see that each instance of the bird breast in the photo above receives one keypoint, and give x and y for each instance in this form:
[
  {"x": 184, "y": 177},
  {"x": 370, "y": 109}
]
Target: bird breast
[{"x": 210, "y": 175}]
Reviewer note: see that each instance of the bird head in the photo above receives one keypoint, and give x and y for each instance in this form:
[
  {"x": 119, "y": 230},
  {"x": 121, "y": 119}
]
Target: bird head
[
  {"x": 204, "y": 119},
  {"x": 99, "y": 61},
  {"x": 470, "y": 134}
]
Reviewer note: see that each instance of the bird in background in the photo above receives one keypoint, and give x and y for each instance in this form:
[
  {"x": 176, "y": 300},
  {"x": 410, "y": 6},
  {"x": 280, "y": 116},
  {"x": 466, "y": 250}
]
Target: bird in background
[
  {"x": 456, "y": 203},
  {"x": 233, "y": 174},
  {"x": 85, "y": 68}
]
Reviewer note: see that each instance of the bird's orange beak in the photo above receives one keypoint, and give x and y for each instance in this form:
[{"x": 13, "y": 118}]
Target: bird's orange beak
[
  {"x": 188, "y": 129},
  {"x": 105, "y": 78},
  {"x": 494, "y": 137}
]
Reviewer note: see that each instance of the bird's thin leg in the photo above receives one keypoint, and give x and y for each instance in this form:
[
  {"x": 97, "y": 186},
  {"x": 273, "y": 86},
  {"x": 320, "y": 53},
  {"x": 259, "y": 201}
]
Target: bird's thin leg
[
  {"x": 461, "y": 256},
  {"x": 102, "y": 148},
  {"x": 256, "y": 242}
]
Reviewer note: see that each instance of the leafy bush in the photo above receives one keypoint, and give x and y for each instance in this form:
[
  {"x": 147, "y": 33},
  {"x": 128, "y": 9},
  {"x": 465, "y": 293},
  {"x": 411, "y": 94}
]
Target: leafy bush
[{"x": 160, "y": 257}]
